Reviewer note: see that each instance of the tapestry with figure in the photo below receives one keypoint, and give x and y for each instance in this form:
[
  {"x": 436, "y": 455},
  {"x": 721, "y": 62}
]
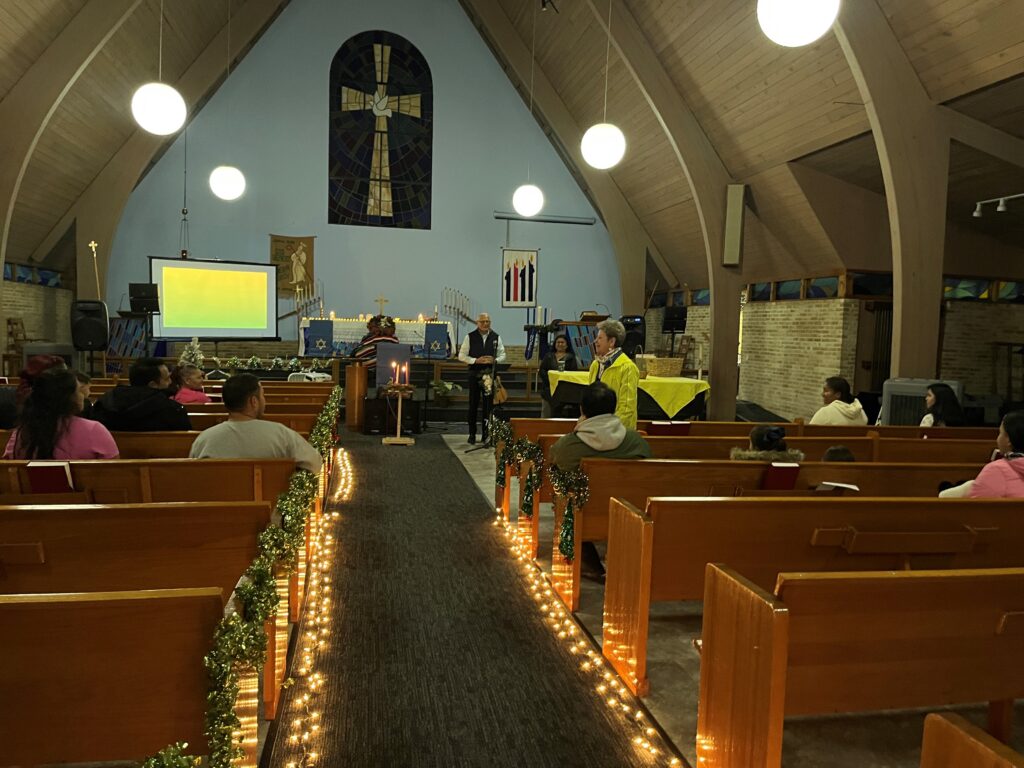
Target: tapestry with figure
[
  {"x": 294, "y": 259},
  {"x": 380, "y": 134},
  {"x": 518, "y": 278}
]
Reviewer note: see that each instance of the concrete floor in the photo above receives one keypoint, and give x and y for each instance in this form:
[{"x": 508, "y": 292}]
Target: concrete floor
[{"x": 878, "y": 740}]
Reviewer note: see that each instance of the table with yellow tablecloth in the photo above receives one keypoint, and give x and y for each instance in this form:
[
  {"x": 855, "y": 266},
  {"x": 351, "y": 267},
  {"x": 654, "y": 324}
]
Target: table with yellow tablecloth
[{"x": 670, "y": 393}]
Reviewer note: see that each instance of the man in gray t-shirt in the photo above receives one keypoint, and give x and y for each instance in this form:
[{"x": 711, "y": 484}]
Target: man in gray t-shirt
[{"x": 245, "y": 436}]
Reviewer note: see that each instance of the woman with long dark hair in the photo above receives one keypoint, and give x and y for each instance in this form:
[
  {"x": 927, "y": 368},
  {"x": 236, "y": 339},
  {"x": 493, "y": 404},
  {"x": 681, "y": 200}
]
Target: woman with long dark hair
[
  {"x": 1004, "y": 477},
  {"x": 560, "y": 358},
  {"x": 943, "y": 408},
  {"x": 50, "y": 427}
]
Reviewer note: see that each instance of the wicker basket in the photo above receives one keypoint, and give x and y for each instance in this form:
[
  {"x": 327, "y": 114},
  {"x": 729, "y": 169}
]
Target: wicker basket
[{"x": 664, "y": 366}]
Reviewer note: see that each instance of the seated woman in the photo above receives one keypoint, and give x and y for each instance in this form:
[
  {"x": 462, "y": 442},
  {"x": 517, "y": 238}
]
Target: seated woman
[
  {"x": 767, "y": 443},
  {"x": 841, "y": 408},
  {"x": 560, "y": 358},
  {"x": 188, "y": 379},
  {"x": 50, "y": 427},
  {"x": 1003, "y": 478},
  {"x": 943, "y": 407},
  {"x": 366, "y": 352}
]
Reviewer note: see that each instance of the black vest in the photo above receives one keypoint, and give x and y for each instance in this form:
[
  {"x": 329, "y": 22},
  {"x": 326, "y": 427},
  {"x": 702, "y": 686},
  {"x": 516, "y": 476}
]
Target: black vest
[{"x": 477, "y": 347}]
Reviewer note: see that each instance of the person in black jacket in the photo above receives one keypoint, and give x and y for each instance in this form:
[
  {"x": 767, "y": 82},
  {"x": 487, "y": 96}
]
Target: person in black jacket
[
  {"x": 560, "y": 358},
  {"x": 144, "y": 405}
]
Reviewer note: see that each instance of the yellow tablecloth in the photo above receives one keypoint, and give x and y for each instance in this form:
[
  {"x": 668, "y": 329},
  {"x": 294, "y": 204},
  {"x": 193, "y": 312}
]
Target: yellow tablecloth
[{"x": 671, "y": 393}]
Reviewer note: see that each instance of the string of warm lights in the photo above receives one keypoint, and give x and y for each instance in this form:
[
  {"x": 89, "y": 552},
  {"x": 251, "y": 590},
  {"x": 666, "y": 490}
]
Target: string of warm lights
[
  {"x": 604, "y": 682},
  {"x": 306, "y": 719}
]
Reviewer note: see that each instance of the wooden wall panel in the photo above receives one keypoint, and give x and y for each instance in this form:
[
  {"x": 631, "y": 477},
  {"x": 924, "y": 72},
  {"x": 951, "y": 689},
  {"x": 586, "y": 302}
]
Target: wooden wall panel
[{"x": 26, "y": 30}]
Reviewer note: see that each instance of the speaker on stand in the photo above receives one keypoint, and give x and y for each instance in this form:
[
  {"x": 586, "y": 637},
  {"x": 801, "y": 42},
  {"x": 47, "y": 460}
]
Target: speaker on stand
[
  {"x": 90, "y": 328},
  {"x": 636, "y": 335}
]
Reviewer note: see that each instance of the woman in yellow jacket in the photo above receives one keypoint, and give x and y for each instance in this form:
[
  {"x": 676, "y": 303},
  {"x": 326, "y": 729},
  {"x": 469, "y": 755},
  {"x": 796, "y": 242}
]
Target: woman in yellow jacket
[{"x": 614, "y": 369}]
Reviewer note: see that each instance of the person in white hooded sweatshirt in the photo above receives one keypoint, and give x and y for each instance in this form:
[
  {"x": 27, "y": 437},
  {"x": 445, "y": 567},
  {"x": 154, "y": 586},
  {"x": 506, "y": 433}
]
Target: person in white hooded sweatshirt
[{"x": 841, "y": 409}]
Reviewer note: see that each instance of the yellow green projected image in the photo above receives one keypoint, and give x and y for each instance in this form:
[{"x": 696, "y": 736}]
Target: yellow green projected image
[{"x": 208, "y": 298}]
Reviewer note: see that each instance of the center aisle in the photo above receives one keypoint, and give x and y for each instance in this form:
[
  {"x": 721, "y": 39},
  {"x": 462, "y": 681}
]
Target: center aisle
[{"x": 438, "y": 656}]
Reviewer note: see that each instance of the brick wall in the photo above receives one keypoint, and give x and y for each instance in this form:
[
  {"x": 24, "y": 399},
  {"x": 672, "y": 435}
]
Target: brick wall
[
  {"x": 790, "y": 347},
  {"x": 46, "y": 312},
  {"x": 698, "y": 326},
  {"x": 967, "y": 350}
]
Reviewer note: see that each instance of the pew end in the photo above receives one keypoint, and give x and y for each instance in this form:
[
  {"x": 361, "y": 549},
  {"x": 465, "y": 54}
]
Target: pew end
[{"x": 950, "y": 741}]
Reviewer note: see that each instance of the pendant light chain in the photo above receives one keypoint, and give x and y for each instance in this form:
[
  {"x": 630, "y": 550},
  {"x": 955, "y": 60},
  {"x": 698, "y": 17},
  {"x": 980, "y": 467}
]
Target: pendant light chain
[
  {"x": 533, "y": 59},
  {"x": 607, "y": 58},
  {"x": 160, "y": 47}
]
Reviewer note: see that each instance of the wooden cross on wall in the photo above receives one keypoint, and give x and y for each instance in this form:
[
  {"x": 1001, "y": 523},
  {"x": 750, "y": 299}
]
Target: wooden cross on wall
[
  {"x": 383, "y": 106},
  {"x": 381, "y": 301}
]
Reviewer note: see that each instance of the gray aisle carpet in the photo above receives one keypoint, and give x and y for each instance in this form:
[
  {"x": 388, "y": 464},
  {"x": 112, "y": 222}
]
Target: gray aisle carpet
[{"x": 438, "y": 657}]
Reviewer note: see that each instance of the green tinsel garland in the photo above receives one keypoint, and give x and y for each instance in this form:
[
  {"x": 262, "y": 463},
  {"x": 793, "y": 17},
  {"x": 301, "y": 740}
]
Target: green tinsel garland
[
  {"x": 240, "y": 641},
  {"x": 523, "y": 450},
  {"x": 573, "y": 486},
  {"x": 501, "y": 434}
]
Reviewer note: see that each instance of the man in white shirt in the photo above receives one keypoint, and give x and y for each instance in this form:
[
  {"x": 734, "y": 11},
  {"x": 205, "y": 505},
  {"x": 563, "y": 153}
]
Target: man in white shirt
[
  {"x": 246, "y": 436},
  {"x": 480, "y": 350}
]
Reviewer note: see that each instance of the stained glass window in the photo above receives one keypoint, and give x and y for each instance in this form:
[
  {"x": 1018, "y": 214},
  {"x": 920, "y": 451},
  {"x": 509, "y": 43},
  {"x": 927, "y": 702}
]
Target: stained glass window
[
  {"x": 966, "y": 289},
  {"x": 787, "y": 290},
  {"x": 823, "y": 288},
  {"x": 760, "y": 292},
  {"x": 871, "y": 284},
  {"x": 381, "y": 134},
  {"x": 701, "y": 297},
  {"x": 1011, "y": 291}
]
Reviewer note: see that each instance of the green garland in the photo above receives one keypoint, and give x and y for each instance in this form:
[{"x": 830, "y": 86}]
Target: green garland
[
  {"x": 523, "y": 450},
  {"x": 501, "y": 434},
  {"x": 574, "y": 487},
  {"x": 240, "y": 642}
]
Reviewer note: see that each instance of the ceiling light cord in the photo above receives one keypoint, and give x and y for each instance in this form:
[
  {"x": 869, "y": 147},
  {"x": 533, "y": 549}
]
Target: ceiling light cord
[
  {"x": 607, "y": 59},
  {"x": 533, "y": 59},
  {"x": 160, "y": 47}
]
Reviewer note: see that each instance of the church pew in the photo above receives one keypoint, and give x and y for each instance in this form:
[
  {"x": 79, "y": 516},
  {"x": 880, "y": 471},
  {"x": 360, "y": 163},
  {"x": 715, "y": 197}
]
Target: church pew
[
  {"x": 72, "y": 497},
  {"x": 129, "y": 481},
  {"x": 274, "y": 408},
  {"x": 950, "y": 741},
  {"x": 824, "y": 643},
  {"x": 910, "y": 449},
  {"x": 150, "y": 445},
  {"x": 659, "y": 554},
  {"x": 636, "y": 481},
  {"x": 800, "y": 429},
  {"x": 107, "y": 676},
  {"x": 94, "y": 548}
]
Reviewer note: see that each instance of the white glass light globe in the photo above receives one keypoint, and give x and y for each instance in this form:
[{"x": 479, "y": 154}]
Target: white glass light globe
[
  {"x": 528, "y": 200},
  {"x": 158, "y": 108},
  {"x": 793, "y": 23},
  {"x": 227, "y": 182},
  {"x": 603, "y": 146}
]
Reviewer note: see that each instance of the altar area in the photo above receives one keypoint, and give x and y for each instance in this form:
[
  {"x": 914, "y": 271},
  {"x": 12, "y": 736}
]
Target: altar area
[{"x": 338, "y": 337}]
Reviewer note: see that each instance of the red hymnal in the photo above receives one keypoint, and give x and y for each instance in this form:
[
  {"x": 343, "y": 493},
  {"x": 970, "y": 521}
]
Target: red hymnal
[
  {"x": 49, "y": 477},
  {"x": 780, "y": 476}
]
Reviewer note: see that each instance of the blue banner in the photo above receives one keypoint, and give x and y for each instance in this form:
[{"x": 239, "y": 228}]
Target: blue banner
[{"x": 320, "y": 338}]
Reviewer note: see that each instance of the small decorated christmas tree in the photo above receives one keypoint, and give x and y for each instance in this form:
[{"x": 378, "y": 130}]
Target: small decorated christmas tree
[{"x": 192, "y": 354}]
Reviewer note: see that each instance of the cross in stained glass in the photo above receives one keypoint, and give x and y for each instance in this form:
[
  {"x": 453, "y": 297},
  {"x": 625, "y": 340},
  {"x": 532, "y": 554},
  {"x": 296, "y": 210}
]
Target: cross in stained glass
[{"x": 383, "y": 106}]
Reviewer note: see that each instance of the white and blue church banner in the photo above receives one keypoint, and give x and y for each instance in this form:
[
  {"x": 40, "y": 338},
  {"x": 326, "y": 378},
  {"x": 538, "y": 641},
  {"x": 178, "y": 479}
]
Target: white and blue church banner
[{"x": 518, "y": 278}]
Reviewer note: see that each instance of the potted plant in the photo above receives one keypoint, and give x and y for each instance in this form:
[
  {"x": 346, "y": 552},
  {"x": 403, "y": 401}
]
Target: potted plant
[{"x": 443, "y": 391}]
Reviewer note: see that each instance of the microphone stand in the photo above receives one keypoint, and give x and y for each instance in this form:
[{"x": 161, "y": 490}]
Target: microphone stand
[{"x": 489, "y": 442}]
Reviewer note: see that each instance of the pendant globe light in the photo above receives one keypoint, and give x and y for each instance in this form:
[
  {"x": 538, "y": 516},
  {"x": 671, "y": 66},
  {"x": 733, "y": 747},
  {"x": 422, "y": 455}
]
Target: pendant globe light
[
  {"x": 528, "y": 200},
  {"x": 603, "y": 144},
  {"x": 793, "y": 23},
  {"x": 226, "y": 181},
  {"x": 157, "y": 107}
]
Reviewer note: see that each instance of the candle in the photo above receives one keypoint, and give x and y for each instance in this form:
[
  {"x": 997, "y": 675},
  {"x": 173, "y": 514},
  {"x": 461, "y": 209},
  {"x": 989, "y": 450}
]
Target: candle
[{"x": 405, "y": 369}]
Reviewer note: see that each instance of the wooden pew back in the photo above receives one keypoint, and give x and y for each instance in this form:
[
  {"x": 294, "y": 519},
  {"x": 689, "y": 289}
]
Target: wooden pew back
[
  {"x": 849, "y": 642},
  {"x": 950, "y": 741},
  {"x": 300, "y": 422},
  {"x": 89, "y": 548},
  {"x": 660, "y": 554},
  {"x": 127, "y": 481},
  {"x": 104, "y": 676}
]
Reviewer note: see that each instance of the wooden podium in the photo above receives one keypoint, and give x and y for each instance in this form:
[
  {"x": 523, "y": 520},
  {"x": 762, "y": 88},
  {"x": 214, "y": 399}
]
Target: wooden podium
[{"x": 355, "y": 395}]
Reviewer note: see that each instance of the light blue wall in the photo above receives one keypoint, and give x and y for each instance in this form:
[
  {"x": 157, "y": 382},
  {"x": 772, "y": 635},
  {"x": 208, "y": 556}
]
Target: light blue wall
[{"x": 270, "y": 119}]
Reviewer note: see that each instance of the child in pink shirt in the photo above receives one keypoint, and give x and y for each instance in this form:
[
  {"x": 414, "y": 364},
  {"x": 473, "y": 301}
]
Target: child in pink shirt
[
  {"x": 49, "y": 426},
  {"x": 1004, "y": 478},
  {"x": 190, "y": 385}
]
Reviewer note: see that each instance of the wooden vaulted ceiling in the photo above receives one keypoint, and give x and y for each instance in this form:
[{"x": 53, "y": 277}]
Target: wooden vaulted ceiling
[
  {"x": 93, "y": 120},
  {"x": 767, "y": 111},
  {"x": 764, "y": 107}
]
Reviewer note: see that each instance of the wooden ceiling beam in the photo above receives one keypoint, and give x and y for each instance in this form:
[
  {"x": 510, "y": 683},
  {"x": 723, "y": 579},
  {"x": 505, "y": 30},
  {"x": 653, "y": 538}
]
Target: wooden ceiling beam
[
  {"x": 98, "y": 209},
  {"x": 630, "y": 239},
  {"x": 27, "y": 109},
  {"x": 979, "y": 135},
  {"x": 913, "y": 149},
  {"x": 708, "y": 179}
]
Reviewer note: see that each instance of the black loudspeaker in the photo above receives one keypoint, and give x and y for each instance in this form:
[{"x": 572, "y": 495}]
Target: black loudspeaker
[
  {"x": 636, "y": 334},
  {"x": 675, "y": 320},
  {"x": 144, "y": 297},
  {"x": 89, "y": 326}
]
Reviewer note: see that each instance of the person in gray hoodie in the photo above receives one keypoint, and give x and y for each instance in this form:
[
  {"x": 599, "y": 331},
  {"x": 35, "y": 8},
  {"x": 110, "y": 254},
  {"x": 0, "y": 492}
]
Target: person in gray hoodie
[{"x": 599, "y": 433}]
